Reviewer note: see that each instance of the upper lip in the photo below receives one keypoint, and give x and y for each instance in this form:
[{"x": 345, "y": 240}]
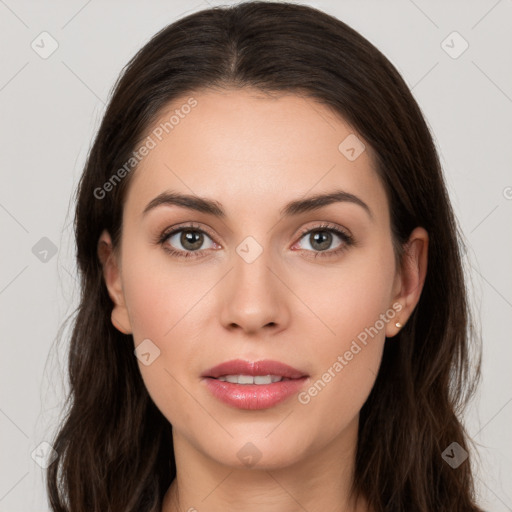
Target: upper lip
[{"x": 263, "y": 367}]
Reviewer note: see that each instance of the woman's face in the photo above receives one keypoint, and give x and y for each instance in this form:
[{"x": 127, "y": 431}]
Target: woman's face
[{"x": 258, "y": 283}]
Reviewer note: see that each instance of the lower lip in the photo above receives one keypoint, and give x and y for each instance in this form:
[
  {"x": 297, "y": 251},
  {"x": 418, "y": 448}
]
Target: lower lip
[{"x": 253, "y": 396}]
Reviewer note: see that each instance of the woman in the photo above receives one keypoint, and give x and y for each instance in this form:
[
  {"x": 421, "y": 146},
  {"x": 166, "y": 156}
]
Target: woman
[{"x": 273, "y": 312}]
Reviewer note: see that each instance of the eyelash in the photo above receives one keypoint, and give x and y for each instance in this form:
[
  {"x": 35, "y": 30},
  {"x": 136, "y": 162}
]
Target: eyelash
[{"x": 345, "y": 237}]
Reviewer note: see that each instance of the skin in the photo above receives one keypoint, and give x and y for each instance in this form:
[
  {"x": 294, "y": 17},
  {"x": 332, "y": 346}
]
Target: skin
[{"x": 253, "y": 153}]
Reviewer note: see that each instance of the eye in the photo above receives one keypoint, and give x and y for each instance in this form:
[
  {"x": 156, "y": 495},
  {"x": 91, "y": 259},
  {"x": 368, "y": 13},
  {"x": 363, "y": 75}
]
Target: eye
[
  {"x": 320, "y": 239},
  {"x": 191, "y": 239},
  {"x": 188, "y": 241}
]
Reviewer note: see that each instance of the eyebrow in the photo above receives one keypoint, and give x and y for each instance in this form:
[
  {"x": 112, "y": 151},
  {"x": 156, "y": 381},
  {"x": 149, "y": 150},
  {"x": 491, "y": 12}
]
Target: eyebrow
[{"x": 212, "y": 207}]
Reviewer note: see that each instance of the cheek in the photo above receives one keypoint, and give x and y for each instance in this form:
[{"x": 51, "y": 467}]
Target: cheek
[
  {"x": 355, "y": 308},
  {"x": 343, "y": 300},
  {"x": 160, "y": 294},
  {"x": 158, "y": 313},
  {"x": 162, "y": 301}
]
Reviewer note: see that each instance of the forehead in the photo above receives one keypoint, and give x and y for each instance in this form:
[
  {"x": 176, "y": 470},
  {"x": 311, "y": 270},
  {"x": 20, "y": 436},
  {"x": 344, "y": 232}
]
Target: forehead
[{"x": 245, "y": 148}]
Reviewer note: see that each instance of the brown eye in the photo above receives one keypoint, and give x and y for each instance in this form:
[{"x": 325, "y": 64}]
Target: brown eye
[
  {"x": 321, "y": 239},
  {"x": 186, "y": 241},
  {"x": 190, "y": 239}
]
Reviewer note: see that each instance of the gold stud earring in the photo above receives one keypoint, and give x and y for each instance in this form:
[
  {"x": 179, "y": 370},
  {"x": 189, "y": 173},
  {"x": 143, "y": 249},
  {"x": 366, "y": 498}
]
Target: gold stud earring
[{"x": 398, "y": 325}]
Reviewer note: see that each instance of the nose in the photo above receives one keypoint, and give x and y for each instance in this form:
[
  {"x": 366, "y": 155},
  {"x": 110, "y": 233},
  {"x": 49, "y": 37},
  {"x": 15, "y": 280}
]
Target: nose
[{"x": 254, "y": 296}]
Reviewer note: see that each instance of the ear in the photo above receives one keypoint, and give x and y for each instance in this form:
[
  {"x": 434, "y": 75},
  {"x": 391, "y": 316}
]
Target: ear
[
  {"x": 112, "y": 276},
  {"x": 410, "y": 278}
]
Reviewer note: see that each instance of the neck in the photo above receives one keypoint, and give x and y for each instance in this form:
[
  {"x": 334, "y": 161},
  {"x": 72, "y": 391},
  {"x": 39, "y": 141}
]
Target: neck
[{"x": 318, "y": 481}]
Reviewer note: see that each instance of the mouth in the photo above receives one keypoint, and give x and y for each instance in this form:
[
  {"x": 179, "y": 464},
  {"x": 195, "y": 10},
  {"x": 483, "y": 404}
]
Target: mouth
[
  {"x": 253, "y": 385},
  {"x": 252, "y": 379},
  {"x": 245, "y": 369}
]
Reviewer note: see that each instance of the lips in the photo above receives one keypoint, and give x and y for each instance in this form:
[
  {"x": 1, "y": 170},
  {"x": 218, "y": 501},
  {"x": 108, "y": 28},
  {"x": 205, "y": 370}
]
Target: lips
[
  {"x": 264, "y": 367},
  {"x": 246, "y": 385}
]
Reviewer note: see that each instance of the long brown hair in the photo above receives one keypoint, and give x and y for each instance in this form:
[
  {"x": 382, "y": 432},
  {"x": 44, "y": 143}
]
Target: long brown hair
[{"x": 114, "y": 446}]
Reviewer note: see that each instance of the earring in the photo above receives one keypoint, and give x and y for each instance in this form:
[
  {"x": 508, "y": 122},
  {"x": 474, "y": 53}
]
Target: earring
[{"x": 398, "y": 325}]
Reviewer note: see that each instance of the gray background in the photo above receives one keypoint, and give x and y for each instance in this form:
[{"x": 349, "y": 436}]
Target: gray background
[{"x": 51, "y": 107}]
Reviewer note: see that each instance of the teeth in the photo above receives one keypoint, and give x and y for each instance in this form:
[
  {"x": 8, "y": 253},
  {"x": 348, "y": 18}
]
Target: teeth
[
  {"x": 245, "y": 379},
  {"x": 249, "y": 379}
]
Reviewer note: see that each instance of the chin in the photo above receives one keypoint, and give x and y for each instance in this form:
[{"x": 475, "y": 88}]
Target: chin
[{"x": 258, "y": 451}]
